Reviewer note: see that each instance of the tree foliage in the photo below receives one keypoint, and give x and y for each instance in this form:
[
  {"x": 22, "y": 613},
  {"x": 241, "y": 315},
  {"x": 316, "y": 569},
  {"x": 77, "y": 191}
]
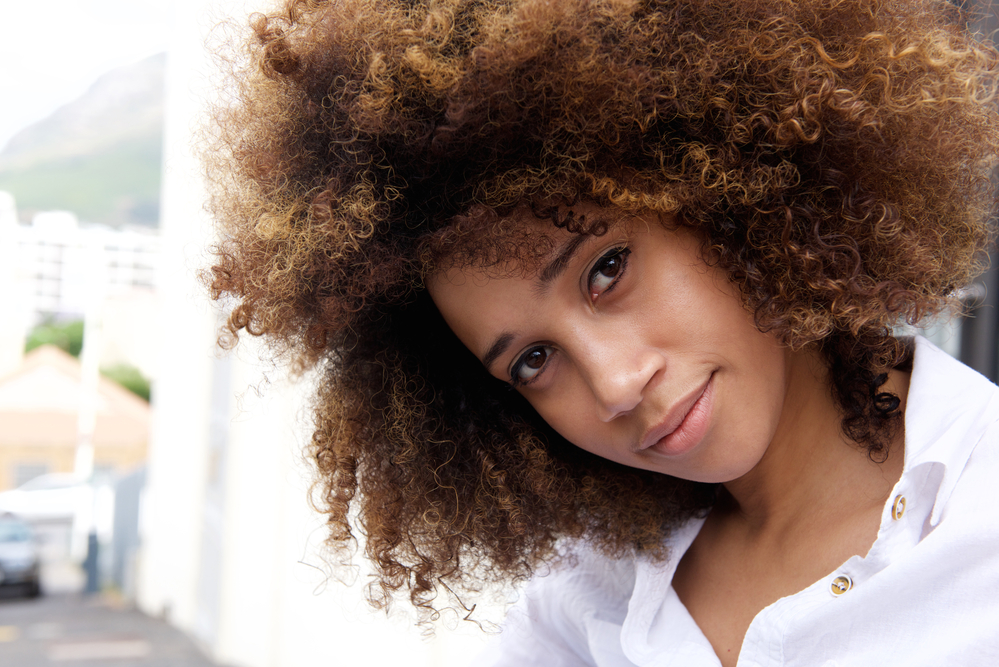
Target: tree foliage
[{"x": 68, "y": 336}]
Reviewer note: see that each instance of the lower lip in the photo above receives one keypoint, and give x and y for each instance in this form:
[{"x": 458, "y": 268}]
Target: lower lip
[{"x": 692, "y": 429}]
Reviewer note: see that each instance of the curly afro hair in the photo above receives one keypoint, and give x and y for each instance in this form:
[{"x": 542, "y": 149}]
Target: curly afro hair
[{"x": 835, "y": 157}]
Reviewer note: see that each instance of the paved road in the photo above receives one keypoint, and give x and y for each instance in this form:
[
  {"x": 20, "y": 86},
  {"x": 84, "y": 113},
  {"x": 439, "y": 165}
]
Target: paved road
[{"x": 89, "y": 632}]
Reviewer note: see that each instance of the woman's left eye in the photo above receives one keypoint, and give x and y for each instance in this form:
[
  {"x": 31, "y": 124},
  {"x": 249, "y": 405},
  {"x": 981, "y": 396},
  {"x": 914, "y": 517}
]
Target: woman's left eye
[
  {"x": 530, "y": 364},
  {"x": 607, "y": 270}
]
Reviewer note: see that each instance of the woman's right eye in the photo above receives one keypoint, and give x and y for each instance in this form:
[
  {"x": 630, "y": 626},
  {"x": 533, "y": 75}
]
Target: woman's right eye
[{"x": 529, "y": 364}]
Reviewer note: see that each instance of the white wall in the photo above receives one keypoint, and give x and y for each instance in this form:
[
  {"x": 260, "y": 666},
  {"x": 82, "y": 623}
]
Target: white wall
[
  {"x": 230, "y": 547},
  {"x": 172, "y": 512},
  {"x": 13, "y": 295}
]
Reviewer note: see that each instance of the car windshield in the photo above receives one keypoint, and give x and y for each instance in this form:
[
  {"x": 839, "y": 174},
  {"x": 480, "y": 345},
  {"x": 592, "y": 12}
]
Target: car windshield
[{"x": 14, "y": 531}]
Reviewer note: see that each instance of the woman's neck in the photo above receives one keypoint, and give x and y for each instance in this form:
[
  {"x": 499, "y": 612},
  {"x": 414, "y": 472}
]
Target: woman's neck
[
  {"x": 813, "y": 501},
  {"x": 811, "y": 469}
]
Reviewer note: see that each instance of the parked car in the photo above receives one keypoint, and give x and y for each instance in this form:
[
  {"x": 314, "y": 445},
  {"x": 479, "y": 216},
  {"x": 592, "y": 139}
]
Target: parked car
[
  {"x": 19, "y": 559},
  {"x": 51, "y": 497},
  {"x": 66, "y": 502}
]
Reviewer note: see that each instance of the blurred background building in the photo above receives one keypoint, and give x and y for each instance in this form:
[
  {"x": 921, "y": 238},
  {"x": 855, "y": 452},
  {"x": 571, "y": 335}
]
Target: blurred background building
[
  {"x": 197, "y": 500},
  {"x": 39, "y": 404}
]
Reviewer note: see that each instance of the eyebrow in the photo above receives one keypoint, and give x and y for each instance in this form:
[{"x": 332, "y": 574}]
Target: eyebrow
[
  {"x": 497, "y": 348},
  {"x": 552, "y": 270},
  {"x": 558, "y": 265}
]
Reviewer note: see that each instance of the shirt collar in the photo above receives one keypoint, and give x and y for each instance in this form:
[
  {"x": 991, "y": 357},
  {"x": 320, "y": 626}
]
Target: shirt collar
[{"x": 948, "y": 409}]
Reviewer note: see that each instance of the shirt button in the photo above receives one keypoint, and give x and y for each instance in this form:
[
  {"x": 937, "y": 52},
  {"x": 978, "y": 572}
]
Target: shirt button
[
  {"x": 898, "y": 507},
  {"x": 841, "y": 584}
]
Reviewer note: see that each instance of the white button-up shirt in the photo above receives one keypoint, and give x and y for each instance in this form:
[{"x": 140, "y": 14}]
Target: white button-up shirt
[{"x": 927, "y": 593}]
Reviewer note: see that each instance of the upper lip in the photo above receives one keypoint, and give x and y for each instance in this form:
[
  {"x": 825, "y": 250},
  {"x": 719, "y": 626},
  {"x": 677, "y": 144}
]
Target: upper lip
[{"x": 681, "y": 408}]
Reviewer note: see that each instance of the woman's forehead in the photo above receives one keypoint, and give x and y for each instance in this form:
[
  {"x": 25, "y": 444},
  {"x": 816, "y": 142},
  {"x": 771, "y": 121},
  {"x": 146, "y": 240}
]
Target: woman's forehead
[
  {"x": 476, "y": 302},
  {"x": 479, "y": 298}
]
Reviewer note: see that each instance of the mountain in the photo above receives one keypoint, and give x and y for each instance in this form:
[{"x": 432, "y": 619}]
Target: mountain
[{"x": 98, "y": 156}]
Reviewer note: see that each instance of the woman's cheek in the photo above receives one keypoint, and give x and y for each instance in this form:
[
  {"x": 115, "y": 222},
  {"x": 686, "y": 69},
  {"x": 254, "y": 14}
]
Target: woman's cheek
[{"x": 567, "y": 409}]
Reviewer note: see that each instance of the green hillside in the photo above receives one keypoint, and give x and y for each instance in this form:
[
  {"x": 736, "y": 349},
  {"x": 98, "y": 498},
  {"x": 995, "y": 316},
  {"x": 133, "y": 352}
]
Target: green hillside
[
  {"x": 99, "y": 156},
  {"x": 114, "y": 185}
]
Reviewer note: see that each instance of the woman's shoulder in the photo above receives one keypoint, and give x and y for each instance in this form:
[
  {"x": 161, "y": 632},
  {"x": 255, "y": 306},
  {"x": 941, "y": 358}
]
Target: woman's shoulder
[
  {"x": 583, "y": 579},
  {"x": 587, "y": 583},
  {"x": 555, "y": 617},
  {"x": 575, "y": 611}
]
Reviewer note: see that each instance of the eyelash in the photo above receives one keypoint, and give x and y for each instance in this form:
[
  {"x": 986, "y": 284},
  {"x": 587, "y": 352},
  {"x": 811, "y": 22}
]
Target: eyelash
[{"x": 619, "y": 253}]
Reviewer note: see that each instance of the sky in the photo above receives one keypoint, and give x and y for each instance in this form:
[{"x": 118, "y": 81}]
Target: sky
[{"x": 53, "y": 51}]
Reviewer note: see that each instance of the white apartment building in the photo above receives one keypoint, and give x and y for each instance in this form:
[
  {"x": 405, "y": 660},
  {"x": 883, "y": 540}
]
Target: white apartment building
[
  {"x": 63, "y": 263},
  {"x": 58, "y": 267}
]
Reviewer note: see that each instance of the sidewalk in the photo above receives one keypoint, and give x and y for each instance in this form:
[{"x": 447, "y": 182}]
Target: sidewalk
[{"x": 94, "y": 631}]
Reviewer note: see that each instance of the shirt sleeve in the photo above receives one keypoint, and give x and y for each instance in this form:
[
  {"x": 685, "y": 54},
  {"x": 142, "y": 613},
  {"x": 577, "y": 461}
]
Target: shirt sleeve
[
  {"x": 569, "y": 618},
  {"x": 536, "y": 633}
]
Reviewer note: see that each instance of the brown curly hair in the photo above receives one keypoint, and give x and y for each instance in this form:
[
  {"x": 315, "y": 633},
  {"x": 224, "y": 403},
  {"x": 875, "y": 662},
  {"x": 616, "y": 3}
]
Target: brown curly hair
[{"x": 834, "y": 155}]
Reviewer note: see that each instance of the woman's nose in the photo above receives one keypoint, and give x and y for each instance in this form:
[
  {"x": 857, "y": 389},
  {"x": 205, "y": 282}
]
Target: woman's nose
[{"x": 618, "y": 374}]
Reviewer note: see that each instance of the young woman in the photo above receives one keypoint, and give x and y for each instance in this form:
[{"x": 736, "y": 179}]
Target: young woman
[{"x": 605, "y": 290}]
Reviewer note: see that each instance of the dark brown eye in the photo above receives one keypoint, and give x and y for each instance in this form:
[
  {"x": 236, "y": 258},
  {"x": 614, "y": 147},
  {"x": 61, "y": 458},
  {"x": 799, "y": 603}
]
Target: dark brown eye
[
  {"x": 530, "y": 364},
  {"x": 536, "y": 358},
  {"x": 610, "y": 267},
  {"x": 605, "y": 272}
]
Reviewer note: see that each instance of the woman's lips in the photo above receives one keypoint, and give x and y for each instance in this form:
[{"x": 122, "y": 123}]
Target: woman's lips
[{"x": 685, "y": 425}]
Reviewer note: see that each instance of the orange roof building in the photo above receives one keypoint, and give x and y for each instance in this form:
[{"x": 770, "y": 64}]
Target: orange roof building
[{"x": 39, "y": 407}]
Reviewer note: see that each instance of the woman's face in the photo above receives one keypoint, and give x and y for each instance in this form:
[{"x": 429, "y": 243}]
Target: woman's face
[{"x": 630, "y": 346}]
